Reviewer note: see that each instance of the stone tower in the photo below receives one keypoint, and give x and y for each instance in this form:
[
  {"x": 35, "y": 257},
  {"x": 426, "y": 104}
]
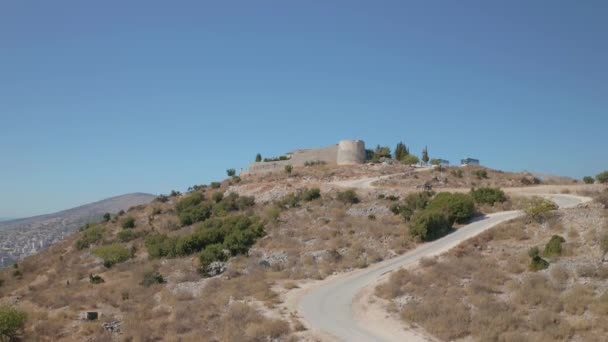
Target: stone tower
[{"x": 351, "y": 152}]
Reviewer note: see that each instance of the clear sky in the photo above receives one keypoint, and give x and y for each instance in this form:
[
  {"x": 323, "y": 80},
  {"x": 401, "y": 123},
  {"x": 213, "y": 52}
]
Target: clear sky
[{"x": 100, "y": 98}]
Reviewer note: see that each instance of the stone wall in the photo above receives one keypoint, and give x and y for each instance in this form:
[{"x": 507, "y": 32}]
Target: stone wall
[{"x": 348, "y": 152}]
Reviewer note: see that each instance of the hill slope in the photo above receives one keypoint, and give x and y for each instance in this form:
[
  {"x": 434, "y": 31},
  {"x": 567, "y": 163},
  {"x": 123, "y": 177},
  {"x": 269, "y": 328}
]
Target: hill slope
[{"x": 23, "y": 237}]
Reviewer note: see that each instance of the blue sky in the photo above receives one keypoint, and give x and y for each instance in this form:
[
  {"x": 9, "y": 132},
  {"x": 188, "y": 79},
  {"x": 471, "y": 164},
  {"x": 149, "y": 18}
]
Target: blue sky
[{"x": 103, "y": 98}]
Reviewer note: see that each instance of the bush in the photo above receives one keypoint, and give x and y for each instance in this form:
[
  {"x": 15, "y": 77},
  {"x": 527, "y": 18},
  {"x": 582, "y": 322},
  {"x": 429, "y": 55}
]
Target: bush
[
  {"x": 95, "y": 279},
  {"x": 602, "y": 177},
  {"x": 198, "y": 213},
  {"x": 412, "y": 203},
  {"x": 174, "y": 193},
  {"x": 112, "y": 254},
  {"x": 128, "y": 222},
  {"x": 156, "y": 211},
  {"x": 211, "y": 253},
  {"x": 456, "y": 207},
  {"x": 537, "y": 263},
  {"x": 126, "y": 235},
  {"x": 429, "y": 225},
  {"x": 92, "y": 234},
  {"x": 554, "y": 246},
  {"x": 231, "y": 172},
  {"x": 288, "y": 168},
  {"x": 588, "y": 180},
  {"x": 537, "y": 208},
  {"x": 348, "y": 196},
  {"x": 410, "y": 159},
  {"x": 11, "y": 322},
  {"x": 488, "y": 196},
  {"x": 152, "y": 278},
  {"x": 217, "y": 197},
  {"x": 107, "y": 217},
  {"x": 215, "y": 185},
  {"x": 311, "y": 194},
  {"x": 481, "y": 174},
  {"x": 258, "y": 158}
]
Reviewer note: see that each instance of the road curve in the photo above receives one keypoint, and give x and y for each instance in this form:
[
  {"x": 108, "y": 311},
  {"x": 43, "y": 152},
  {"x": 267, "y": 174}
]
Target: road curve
[{"x": 327, "y": 308}]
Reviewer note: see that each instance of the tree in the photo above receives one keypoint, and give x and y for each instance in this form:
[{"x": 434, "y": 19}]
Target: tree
[
  {"x": 382, "y": 152},
  {"x": 588, "y": 180},
  {"x": 258, "y": 158},
  {"x": 410, "y": 159},
  {"x": 231, "y": 172},
  {"x": 425, "y": 155},
  {"x": 602, "y": 177},
  {"x": 11, "y": 322},
  {"x": 106, "y": 217},
  {"x": 401, "y": 151}
]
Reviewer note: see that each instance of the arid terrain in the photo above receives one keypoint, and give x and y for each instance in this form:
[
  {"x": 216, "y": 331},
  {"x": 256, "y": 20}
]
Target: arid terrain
[{"x": 226, "y": 261}]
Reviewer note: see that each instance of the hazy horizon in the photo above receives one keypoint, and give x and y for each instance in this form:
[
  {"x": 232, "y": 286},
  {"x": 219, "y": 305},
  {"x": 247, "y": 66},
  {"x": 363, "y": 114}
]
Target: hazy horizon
[{"x": 100, "y": 99}]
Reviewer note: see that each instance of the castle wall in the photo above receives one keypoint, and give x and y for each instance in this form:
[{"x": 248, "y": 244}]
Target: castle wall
[
  {"x": 351, "y": 152},
  {"x": 348, "y": 152}
]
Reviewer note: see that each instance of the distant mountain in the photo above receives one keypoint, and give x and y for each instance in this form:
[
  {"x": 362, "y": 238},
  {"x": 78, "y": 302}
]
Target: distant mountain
[
  {"x": 2, "y": 219},
  {"x": 22, "y": 237}
]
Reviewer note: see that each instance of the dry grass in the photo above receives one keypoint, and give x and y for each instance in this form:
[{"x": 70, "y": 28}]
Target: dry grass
[{"x": 483, "y": 290}]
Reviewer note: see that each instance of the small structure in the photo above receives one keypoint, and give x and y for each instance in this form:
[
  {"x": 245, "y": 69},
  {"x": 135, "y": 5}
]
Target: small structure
[{"x": 469, "y": 161}]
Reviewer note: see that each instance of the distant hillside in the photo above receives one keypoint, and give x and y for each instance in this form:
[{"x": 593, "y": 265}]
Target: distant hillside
[{"x": 26, "y": 236}]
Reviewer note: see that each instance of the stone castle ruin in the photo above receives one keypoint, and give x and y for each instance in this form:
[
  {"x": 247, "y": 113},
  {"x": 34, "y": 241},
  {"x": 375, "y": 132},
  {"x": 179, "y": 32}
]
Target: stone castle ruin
[{"x": 347, "y": 152}]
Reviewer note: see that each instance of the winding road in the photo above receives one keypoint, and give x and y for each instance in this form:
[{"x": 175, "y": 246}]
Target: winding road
[{"x": 328, "y": 307}]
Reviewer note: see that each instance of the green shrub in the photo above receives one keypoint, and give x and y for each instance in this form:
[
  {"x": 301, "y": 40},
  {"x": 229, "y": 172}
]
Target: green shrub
[
  {"x": 258, "y": 158},
  {"x": 429, "y": 225},
  {"x": 602, "y": 177},
  {"x": 392, "y": 198},
  {"x": 488, "y": 196},
  {"x": 90, "y": 235},
  {"x": 311, "y": 194},
  {"x": 537, "y": 208},
  {"x": 410, "y": 159},
  {"x": 288, "y": 168},
  {"x": 481, "y": 174},
  {"x": 412, "y": 203},
  {"x": 371, "y": 217},
  {"x": 189, "y": 201},
  {"x": 211, "y": 253},
  {"x": 554, "y": 246},
  {"x": 174, "y": 193},
  {"x": 536, "y": 262},
  {"x": 457, "y": 207},
  {"x": 95, "y": 279},
  {"x": 112, "y": 254},
  {"x": 126, "y": 235},
  {"x": 160, "y": 245},
  {"x": 195, "y": 213},
  {"x": 156, "y": 211},
  {"x": 348, "y": 196},
  {"x": 215, "y": 185},
  {"x": 128, "y": 222},
  {"x": 588, "y": 180},
  {"x": 217, "y": 197},
  {"x": 12, "y": 322},
  {"x": 107, "y": 217},
  {"x": 231, "y": 172},
  {"x": 151, "y": 278}
]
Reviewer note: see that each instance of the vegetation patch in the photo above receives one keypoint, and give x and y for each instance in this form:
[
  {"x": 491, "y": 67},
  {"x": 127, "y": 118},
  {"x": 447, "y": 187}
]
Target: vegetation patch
[
  {"x": 12, "y": 322},
  {"x": 554, "y": 246},
  {"x": 488, "y": 195},
  {"x": 112, "y": 254},
  {"x": 348, "y": 196},
  {"x": 458, "y": 208},
  {"x": 538, "y": 208},
  {"x": 90, "y": 235}
]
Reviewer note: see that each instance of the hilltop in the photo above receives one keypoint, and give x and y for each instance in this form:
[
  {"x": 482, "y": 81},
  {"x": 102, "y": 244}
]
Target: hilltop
[
  {"x": 221, "y": 262},
  {"x": 25, "y": 236}
]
